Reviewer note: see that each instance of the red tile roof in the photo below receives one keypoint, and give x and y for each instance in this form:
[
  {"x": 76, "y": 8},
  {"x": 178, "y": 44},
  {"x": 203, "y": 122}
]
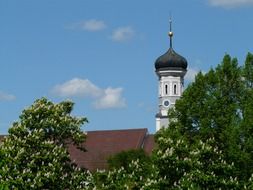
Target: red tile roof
[
  {"x": 149, "y": 144},
  {"x": 100, "y": 145},
  {"x": 2, "y": 137}
]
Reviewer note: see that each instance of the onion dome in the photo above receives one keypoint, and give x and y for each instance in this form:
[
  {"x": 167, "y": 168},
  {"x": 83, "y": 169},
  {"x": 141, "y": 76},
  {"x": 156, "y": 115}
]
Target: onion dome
[{"x": 171, "y": 59}]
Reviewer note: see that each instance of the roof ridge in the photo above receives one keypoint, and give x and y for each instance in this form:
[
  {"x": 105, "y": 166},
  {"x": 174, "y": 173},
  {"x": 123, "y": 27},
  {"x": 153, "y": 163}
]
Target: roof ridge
[{"x": 133, "y": 129}]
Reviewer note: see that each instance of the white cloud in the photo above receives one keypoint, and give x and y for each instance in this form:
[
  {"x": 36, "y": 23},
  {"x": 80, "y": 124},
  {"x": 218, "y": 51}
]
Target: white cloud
[
  {"x": 123, "y": 34},
  {"x": 191, "y": 73},
  {"x": 78, "y": 88},
  {"x": 230, "y": 3},
  {"x": 103, "y": 98},
  {"x": 112, "y": 98},
  {"x": 6, "y": 97},
  {"x": 92, "y": 25}
]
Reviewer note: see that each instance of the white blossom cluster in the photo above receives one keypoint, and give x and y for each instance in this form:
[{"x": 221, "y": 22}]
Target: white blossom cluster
[
  {"x": 127, "y": 179},
  {"x": 35, "y": 154},
  {"x": 195, "y": 167}
]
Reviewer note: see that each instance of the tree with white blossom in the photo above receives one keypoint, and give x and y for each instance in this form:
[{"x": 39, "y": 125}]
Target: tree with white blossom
[
  {"x": 208, "y": 144},
  {"x": 135, "y": 176},
  {"x": 35, "y": 151},
  {"x": 186, "y": 165}
]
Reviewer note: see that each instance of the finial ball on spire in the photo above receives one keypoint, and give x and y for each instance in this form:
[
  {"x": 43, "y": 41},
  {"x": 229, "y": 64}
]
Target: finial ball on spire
[{"x": 170, "y": 33}]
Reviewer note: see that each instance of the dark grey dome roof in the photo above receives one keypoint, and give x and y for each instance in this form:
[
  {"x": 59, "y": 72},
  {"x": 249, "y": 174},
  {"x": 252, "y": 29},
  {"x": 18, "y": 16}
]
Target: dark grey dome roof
[{"x": 170, "y": 59}]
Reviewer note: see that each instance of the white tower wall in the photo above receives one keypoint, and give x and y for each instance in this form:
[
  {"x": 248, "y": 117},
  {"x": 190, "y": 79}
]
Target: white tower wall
[{"x": 170, "y": 88}]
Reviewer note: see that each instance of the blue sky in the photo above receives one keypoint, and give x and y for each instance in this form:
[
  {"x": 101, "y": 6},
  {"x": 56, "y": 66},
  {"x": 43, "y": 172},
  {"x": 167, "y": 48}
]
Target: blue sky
[{"x": 101, "y": 53}]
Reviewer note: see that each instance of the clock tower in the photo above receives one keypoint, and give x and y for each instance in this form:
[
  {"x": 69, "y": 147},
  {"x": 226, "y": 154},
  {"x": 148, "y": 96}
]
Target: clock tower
[{"x": 170, "y": 69}]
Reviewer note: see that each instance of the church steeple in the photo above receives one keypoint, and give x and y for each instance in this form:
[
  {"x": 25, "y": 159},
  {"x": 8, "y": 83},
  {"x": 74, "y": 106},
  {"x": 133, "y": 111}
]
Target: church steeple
[{"x": 170, "y": 69}]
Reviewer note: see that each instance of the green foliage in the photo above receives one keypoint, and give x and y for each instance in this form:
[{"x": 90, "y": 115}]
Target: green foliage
[
  {"x": 209, "y": 142},
  {"x": 209, "y": 106},
  {"x": 35, "y": 151},
  {"x": 134, "y": 177},
  {"x": 130, "y": 170},
  {"x": 185, "y": 165},
  {"x": 123, "y": 158},
  {"x": 248, "y": 71},
  {"x": 4, "y": 187}
]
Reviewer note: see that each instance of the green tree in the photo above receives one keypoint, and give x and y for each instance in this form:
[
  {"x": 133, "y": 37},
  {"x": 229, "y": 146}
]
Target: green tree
[
  {"x": 185, "y": 165},
  {"x": 246, "y": 111},
  {"x": 248, "y": 71},
  {"x": 215, "y": 111},
  {"x": 132, "y": 177},
  {"x": 35, "y": 151},
  {"x": 131, "y": 169},
  {"x": 3, "y": 187},
  {"x": 123, "y": 159}
]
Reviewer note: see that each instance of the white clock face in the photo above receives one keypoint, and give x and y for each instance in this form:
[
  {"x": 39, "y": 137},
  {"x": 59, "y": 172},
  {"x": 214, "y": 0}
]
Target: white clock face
[{"x": 166, "y": 103}]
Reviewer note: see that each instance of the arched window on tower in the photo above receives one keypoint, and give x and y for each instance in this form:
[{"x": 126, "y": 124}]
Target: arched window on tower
[
  {"x": 175, "y": 89},
  {"x": 166, "y": 89}
]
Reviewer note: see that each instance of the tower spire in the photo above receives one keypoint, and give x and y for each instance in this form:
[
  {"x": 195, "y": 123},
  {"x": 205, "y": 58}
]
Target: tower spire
[{"x": 170, "y": 32}]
